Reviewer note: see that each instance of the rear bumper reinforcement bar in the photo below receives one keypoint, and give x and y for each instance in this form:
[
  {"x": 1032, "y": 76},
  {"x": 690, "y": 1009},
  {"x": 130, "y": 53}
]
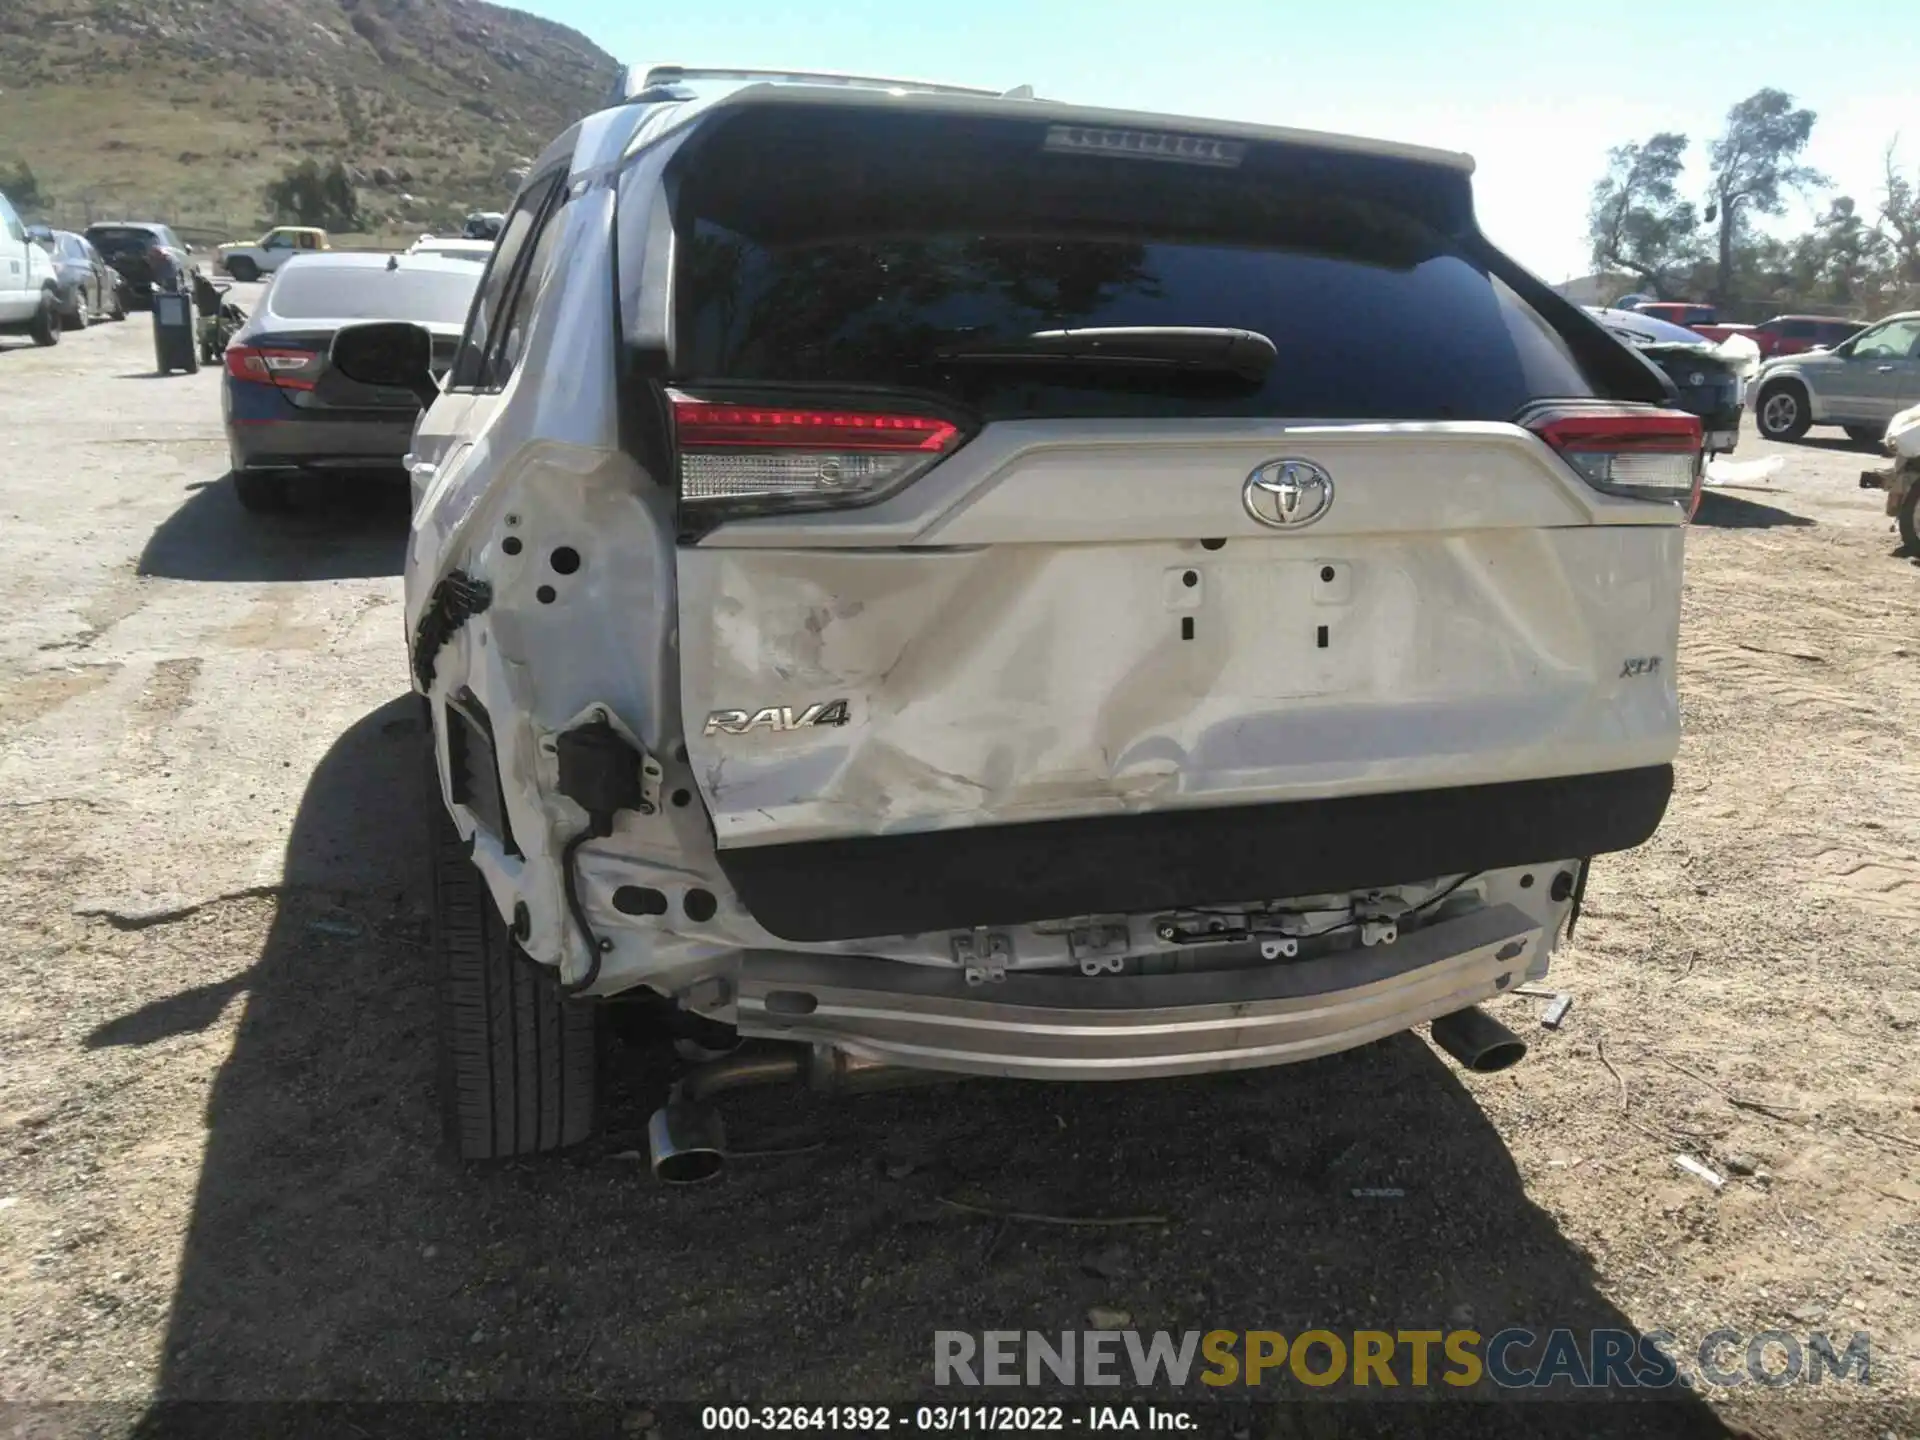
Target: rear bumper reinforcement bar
[{"x": 1055, "y": 1027}]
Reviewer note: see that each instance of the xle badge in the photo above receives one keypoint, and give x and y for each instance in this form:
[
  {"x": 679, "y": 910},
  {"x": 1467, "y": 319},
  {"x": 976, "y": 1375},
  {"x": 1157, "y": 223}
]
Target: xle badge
[
  {"x": 777, "y": 718},
  {"x": 1640, "y": 665}
]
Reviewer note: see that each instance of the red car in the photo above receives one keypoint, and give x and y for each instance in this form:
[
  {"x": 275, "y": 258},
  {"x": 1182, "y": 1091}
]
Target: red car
[
  {"x": 1796, "y": 334},
  {"x": 1679, "y": 312}
]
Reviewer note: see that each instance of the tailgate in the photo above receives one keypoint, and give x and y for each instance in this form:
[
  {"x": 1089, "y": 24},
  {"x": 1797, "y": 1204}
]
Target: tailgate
[
  {"x": 1085, "y": 624},
  {"x": 1010, "y": 577}
]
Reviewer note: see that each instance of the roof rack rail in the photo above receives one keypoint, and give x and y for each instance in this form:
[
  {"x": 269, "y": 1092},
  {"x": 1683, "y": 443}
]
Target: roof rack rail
[{"x": 640, "y": 78}]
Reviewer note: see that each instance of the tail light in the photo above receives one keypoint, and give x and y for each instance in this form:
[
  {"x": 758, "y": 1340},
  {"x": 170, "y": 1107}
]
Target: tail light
[
  {"x": 1632, "y": 451},
  {"x": 752, "y": 459},
  {"x": 289, "y": 369}
]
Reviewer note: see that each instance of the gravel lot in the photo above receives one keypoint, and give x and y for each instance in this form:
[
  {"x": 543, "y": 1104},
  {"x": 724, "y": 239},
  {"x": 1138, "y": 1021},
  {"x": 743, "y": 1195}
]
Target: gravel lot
[{"x": 217, "y": 1162}]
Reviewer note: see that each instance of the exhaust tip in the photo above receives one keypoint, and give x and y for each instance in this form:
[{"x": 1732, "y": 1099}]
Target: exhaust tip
[
  {"x": 1503, "y": 1056},
  {"x": 1478, "y": 1041},
  {"x": 686, "y": 1143}
]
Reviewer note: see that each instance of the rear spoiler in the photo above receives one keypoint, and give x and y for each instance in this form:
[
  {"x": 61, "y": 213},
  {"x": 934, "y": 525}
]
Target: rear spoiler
[{"x": 636, "y": 82}]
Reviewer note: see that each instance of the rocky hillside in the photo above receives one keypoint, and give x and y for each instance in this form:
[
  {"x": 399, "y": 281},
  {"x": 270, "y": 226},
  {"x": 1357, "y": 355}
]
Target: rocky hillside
[{"x": 184, "y": 110}]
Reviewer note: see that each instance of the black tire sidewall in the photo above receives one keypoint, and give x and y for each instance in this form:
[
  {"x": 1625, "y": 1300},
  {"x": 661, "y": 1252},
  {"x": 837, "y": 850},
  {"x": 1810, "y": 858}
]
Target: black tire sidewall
[
  {"x": 48, "y": 324},
  {"x": 1908, "y": 521},
  {"x": 473, "y": 948},
  {"x": 1800, "y": 421}
]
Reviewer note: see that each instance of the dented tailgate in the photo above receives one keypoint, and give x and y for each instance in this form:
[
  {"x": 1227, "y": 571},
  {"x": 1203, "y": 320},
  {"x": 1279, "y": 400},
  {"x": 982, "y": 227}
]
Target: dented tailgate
[{"x": 978, "y": 531}]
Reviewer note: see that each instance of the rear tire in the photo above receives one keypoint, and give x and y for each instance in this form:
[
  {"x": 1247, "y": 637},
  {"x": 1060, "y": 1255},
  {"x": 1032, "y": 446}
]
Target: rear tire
[
  {"x": 1909, "y": 525},
  {"x": 47, "y": 324},
  {"x": 243, "y": 270},
  {"x": 1866, "y": 434},
  {"x": 519, "y": 1064},
  {"x": 265, "y": 492},
  {"x": 1783, "y": 413}
]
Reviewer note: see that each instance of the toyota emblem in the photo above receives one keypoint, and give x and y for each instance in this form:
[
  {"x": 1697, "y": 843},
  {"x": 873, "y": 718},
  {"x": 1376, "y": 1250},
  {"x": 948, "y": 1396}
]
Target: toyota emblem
[{"x": 1288, "y": 494}]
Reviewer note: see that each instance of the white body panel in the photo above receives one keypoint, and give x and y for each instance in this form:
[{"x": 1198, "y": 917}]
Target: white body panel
[{"x": 25, "y": 270}]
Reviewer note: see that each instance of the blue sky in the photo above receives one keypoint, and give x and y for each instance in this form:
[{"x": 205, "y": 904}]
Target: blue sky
[{"x": 1535, "y": 92}]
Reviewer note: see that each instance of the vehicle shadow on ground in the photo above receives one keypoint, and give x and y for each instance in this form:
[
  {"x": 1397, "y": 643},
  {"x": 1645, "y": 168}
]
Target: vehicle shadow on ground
[
  {"x": 340, "y": 528},
  {"x": 1734, "y": 512},
  {"x": 335, "y": 1253},
  {"x": 1840, "y": 442}
]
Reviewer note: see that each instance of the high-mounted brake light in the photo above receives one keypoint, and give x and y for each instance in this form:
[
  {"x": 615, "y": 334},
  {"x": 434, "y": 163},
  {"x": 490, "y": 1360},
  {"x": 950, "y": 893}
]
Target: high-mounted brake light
[
  {"x": 1639, "y": 453},
  {"x": 289, "y": 369},
  {"x": 750, "y": 459},
  {"x": 1146, "y": 145}
]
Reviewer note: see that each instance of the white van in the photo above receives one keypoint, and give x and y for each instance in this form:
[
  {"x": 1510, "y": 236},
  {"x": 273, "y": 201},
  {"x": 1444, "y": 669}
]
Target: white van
[{"x": 29, "y": 299}]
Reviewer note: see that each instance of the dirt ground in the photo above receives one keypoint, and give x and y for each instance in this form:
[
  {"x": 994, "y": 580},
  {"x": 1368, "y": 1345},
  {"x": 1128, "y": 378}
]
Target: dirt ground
[{"x": 218, "y": 1173}]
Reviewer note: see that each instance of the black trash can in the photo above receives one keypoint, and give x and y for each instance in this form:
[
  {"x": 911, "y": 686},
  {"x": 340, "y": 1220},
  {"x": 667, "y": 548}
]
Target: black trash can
[{"x": 174, "y": 341}]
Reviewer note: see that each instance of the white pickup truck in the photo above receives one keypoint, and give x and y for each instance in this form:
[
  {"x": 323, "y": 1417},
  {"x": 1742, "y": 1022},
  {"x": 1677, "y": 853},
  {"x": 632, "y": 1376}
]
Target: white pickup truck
[
  {"x": 29, "y": 289},
  {"x": 270, "y": 251}
]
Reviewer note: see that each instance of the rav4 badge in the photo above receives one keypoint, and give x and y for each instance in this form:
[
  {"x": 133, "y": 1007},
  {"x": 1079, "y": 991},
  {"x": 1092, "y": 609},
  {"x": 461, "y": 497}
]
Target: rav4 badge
[{"x": 777, "y": 718}]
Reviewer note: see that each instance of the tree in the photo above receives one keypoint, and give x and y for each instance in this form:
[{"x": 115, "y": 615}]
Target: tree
[
  {"x": 1753, "y": 163},
  {"x": 305, "y": 194},
  {"x": 1637, "y": 221},
  {"x": 1847, "y": 253},
  {"x": 1900, "y": 214},
  {"x": 22, "y": 187}
]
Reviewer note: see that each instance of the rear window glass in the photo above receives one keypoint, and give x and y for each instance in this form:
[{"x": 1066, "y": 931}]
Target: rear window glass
[
  {"x": 361, "y": 292},
  {"x": 113, "y": 239},
  {"x": 827, "y": 251}
]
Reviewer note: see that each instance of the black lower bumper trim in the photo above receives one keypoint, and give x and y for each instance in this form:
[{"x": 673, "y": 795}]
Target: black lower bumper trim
[{"x": 1103, "y": 865}]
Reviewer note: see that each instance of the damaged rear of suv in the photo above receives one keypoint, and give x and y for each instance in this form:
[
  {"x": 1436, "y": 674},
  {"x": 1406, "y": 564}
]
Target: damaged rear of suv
[{"x": 930, "y": 581}]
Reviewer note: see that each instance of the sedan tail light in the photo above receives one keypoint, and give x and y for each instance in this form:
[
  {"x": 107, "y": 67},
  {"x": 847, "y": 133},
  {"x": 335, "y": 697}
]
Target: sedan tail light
[
  {"x": 289, "y": 369},
  {"x": 1633, "y": 451},
  {"x": 738, "y": 459}
]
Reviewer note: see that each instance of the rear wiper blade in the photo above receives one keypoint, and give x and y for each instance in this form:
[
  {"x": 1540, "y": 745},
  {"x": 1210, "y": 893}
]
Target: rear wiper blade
[{"x": 1195, "y": 348}]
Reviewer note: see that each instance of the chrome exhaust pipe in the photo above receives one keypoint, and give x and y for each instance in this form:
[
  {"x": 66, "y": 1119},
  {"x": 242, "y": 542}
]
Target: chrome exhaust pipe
[
  {"x": 1478, "y": 1041},
  {"x": 686, "y": 1142}
]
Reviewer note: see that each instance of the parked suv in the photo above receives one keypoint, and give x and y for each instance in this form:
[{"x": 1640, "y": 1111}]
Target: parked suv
[
  {"x": 1860, "y": 384},
  {"x": 142, "y": 251},
  {"x": 1797, "y": 334},
  {"x": 29, "y": 284},
  {"x": 937, "y": 581}
]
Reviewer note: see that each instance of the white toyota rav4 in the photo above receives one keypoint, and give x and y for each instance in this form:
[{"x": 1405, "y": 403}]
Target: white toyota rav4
[{"x": 923, "y": 580}]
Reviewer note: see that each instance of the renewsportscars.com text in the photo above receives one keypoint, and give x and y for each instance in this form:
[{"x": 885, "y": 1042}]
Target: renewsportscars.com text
[{"x": 1513, "y": 1359}]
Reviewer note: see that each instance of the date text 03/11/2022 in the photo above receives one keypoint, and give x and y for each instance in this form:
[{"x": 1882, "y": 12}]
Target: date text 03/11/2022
[{"x": 941, "y": 1419}]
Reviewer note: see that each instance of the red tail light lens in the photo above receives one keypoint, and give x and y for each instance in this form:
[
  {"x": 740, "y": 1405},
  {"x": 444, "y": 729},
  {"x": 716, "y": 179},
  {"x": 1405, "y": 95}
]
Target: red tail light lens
[
  {"x": 752, "y": 459},
  {"x": 289, "y": 369},
  {"x": 1635, "y": 452}
]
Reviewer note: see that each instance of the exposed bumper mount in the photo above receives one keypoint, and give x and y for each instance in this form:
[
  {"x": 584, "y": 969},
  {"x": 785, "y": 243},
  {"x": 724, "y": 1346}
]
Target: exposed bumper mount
[{"x": 1111, "y": 1028}]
